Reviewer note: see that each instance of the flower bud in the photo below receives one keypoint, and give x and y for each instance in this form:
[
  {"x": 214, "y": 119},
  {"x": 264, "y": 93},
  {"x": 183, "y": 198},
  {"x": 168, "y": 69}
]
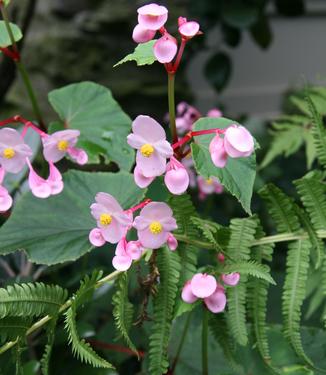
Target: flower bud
[
  {"x": 231, "y": 279},
  {"x": 152, "y": 16},
  {"x": 176, "y": 177},
  {"x": 172, "y": 242},
  {"x": 141, "y": 35},
  {"x": 96, "y": 238},
  {"x": 165, "y": 48},
  {"x": 217, "y": 151},
  {"x": 238, "y": 142}
]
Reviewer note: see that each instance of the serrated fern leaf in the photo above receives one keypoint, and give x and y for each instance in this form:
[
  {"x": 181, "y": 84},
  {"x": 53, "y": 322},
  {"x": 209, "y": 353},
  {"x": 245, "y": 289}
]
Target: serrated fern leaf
[
  {"x": 280, "y": 208},
  {"x": 208, "y": 229},
  {"x": 123, "y": 310},
  {"x": 12, "y": 327},
  {"x": 86, "y": 289},
  {"x": 163, "y": 305},
  {"x": 45, "y": 361},
  {"x": 31, "y": 300},
  {"x": 297, "y": 265}
]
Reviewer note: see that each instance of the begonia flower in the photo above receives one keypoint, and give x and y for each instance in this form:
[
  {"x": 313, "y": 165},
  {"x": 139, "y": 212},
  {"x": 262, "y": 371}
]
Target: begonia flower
[
  {"x": 149, "y": 139},
  {"x": 125, "y": 253},
  {"x": 176, "y": 177},
  {"x": 203, "y": 285},
  {"x": 218, "y": 152},
  {"x": 238, "y": 142},
  {"x": 172, "y": 242},
  {"x": 152, "y": 16},
  {"x": 63, "y": 142},
  {"x": 5, "y": 198},
  {"x": 209, "y": 186},
  {"x": 112, "y": 221},
  {"x": 13, "y": 150},
  {"x": 214, "y": 112},
  {"x": 154, "y": 224},
  {"x": 165, "y": 48},
  {"x": 96, "y": 238},
  {"x": 216, "y": 302},
  {"x": 188, "y": 29},
  {"x": 142, "y": 35},
  {"x": 140, "y": 179},
  {"x": 231, "y": 279}
]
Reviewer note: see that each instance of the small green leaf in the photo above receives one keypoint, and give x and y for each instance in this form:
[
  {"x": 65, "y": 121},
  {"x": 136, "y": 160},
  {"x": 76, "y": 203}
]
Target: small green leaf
[
  {"x": 143, "y": 55},
  {"x": 218, "y": 70},
  {"x": 4, "y": 36},
  {"x": 237, "y": 176}
]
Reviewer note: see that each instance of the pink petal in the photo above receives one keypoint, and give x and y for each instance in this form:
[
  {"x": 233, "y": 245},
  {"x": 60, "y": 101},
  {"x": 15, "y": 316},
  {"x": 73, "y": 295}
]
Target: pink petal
[
  {"x": 141, "y": 222},
  {"x": 135, "y": 141},
  {"x": 216, "y": 302},
  {"x": 164, "y": 148},
  {"x": 176, "y": 180},
  {"x": 114, "y": 232},
  {"x": 172, "y": 242},
  {"x": 96, "y": 238},
  {"x": 55, "y": 180},
  {"x": 217, "y": 151},
  {"x": 204, "y": 186},
  {"x": 120, "y": 250},
  {"x": 140, "y": 179},
  {"x": 152, "y": 166},
  {"x": 2, "y": 174},
  {"x": 203, "y": 285},
  {"x": 155, "y": 211},
  {"x": 165, "y": 49},
  {"x": 189, "y": 29},
  {"x": 238, "y": 142},
  {"x": 149, "y": 129},
  {"x": 187, "y": 295},
  {"x": 109, "y": 202},
  {"x": 152, "y": 241},
  {"x": 152, "y": 16},
  {"x": 78, "y": 154},
  {"x": 39, "y": 187},
  {"x": 169, "y": 223},
  {"x": 121, "y": 263},
  {"x": 142, "y": 35},
  {"x": 10, "y": 137},
  {"x": 214, "y": 112},
  {"x": 5, "y": 200},
  {"x": 231, "y": 279},
  {"x": 134, "y": 250}
]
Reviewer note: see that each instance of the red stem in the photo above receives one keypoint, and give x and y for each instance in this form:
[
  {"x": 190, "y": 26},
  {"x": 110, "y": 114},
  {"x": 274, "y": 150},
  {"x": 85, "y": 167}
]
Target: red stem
[
  {"x": 189, "y": 135},
  {"x": 140, "y": 205},
  {"x": 27, "y": 123},
  {"x": 115, "y": 348},
  {"x": 179, "y": 55},
  {"x": 14, "y": 55}
]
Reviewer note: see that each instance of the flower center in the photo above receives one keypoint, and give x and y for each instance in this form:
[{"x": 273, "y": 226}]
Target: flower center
[
  {"x": 209, "y": 181},
  {"x": 9, "y": 153},
  {"x": 147, "y": 150},
  {"x": 155, "y": 227},
  {"x": 105, "y": 219},
  {"x": 62, "y": 145}
]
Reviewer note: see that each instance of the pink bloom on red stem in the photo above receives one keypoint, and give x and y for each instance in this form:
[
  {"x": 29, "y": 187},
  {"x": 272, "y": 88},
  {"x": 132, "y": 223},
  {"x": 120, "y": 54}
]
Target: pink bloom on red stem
[
  {"x": 218, "y": 152},
  {"x": 149, "y": 139},
  {"x": 152, "y": 16},
  {"x": 140, "y": 179},
  {"x": 63, "y": 142},
  {"x": 238, "y": 142},
  {"x": 154, "y": 224},
  {"x": 165, "y": 48},
  {"x": 96, "y": 238},
  {"x": 216, "y": 302},
  {"x": 172, "y": 242},
  {"x": 142, "y": 35},
  {"x": 176, "y": 177},
  {"x": 112, "y": 221},
  {"x": 231, "y": 279},
  {"x": 188, "y": 29},
  {"x": 13, "y": 150}
]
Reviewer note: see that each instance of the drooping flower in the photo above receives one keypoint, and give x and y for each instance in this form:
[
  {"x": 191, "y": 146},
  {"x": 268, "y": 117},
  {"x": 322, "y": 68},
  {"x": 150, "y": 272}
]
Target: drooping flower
[
  {"x": 176, "y": 177},
  {"x": 203, "y": 285},
  {"x": 125, "y": 253},
  {"x": 188, "y": 29},
  {"x": 5, "y": 198},
  {"x": 186, "y": 116},
  {"x": 231, "y": 279},
  {"x": 209, "y": 186},
  {"x": 13, "y": 150},
  {"x": 216, "y": 302},
  {"x": 112, "y": 221},
  {"x": 96, "y": 238},
  {"x": 152, "y": 16},
  {"x": 142, "y": 35},
  {"x": 238, "y": 142},
  {"x": 140, "y": 179},
  {"x": 165, "y": 48},
  {"x": 218, "y": 152},
  {"x": 172, "y": 242},
  {"x": 154, "y": 224},
  {"x": 149, "y": 139},
  {"x": 63, "y": 142}
]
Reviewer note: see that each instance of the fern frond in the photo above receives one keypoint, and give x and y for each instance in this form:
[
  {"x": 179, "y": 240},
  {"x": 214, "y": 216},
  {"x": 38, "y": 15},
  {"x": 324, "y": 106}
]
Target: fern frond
[
  {"x": 12, "y": 327},
  {"x": 31, "y": 300},
  {"x": 123, "y": 310},
  {"x": 86, "y": 289},
  {"x": 45, "y": 361},
  {"x": 208, "y": 229},
  {"x": 280, "y": 208},
  {"x": 297, "y": 265},
  {"x": 168, "y": 264}
]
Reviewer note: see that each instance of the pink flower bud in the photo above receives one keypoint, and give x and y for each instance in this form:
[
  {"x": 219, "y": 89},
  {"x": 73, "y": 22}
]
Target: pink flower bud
[
  {"x": 165, "y": 48},
  {"x": 55, "y": 180},
  {"x": 231, "y": 279},
  {"x": 134, "y": 249},
  {"x": 203, "y": 285},
  {"x": 220, "y": 257},
  {"x": 189, "y": 29},
  {"x": 96, "y": 238},
  {"x": 172, "y": 242},
  {"x": 214, "y": 112},
  {"x": 152, "y": 16},
  {"x": 238, "y": 142},
  {"x": 217, "y": 151},
  {"x": 38, "y": 185},
  {"x": 187, "y": 294},
  {"x": 140, "y": 179},
  {"x": 216, "y": 302},
  {"x": 122, "y": 260},
  {"x": 176, "y": 177},
  {"x": 141, "y": 35}
]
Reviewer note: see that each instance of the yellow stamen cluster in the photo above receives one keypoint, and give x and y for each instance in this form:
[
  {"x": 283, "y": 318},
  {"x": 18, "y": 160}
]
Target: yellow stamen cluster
[
  {"x": 209, "y": 181},
  {"x": 105, "y": 219},
  {"x": 62, "y": 145},
  {"x": 147, "y": 150},
  {"x": 155, "y": 227},
  {"x": 9, "y": 153}
]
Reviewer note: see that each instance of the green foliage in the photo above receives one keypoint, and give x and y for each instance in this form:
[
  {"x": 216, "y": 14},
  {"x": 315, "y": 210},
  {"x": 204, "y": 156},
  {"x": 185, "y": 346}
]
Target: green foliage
[
  {"x": 5, "y": 40},
  {"x": 142, "y": 55},
  {"x": 168, "y": 264},
  {"x": 103, "y": 125},
  {"x": 45, "y": 361},
  {"x": 31, "y": 300},
  {"x": 123, "y": 310},
  {"x": 56, "y": 230},
  {"x": 80, "y": 348},
  {"x": 218, "y": 70},
  {"x": 208, "y": 228},
  {"x": 239, "y": 174},
  {"x": 12, "y": 327}
]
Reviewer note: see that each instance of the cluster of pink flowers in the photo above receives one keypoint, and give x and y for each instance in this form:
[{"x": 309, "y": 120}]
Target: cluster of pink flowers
[
  {"x": 206, "y": 287},
  {"x": 151, "y": 19},
  {"x": 15, "y": 154},
  {"x": 154, "y": 225}
]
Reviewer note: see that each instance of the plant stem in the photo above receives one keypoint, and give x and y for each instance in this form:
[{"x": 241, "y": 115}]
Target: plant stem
[
  {"x": 173, "y": 127},
  {"x": 204, "y": 342},
  {"x": 182, "y": 340}
]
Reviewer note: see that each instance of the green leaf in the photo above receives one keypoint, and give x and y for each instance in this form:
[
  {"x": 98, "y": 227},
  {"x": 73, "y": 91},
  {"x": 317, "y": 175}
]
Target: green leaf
[
  {"x": 56, "y": 230},
  {"x": 4, "y": 36},
  {"x": 143, "y": 55},
  {"x": 239, "y": 14},
  {"x": 237, "y": 176},
  {"x": 261, "y": 32},
  {"x": 12, "y": 327},
  {"x": 90, "y": 108},
  {"x": 45, "y": 361},
  {"x": 218, "y": 70}
]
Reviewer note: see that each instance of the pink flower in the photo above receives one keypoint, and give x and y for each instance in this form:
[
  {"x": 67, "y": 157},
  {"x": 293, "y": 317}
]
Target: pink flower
[
  {"x": 96, "y": 238},
  {"x": 125, "y": 253},
  {"x": 172, "y": 242},
  {"x": 154, "y": 224},
  {"x": 13, "y": 150},
  {"x": 142, "y": 35},
  {"x": 231, "y": 279},
  {"x": 112, "y": 221},
  {"x": 238, "y": 142},
  {"x": 152, "y": 16},
  {"x": 220, "y": 258},
  {"x": 140, "y": 179},
  {"x": 189, "y": 165},
  {"x": 149, "y": 139},
  {"x": 209, "y": 186},
  {"x": 5, "y": 198},
  {"x": 165, "y": 48},
  {"x": 218, "y": 152},
  {"x": 42, "y": 188},
  {"x": 188, "y": 29},
  {"x": 206, "y": 287},
  {"x": 59, "y": 143},
  {"x": 214, "y": 112},
  {"x": 176, "y": 177}
]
